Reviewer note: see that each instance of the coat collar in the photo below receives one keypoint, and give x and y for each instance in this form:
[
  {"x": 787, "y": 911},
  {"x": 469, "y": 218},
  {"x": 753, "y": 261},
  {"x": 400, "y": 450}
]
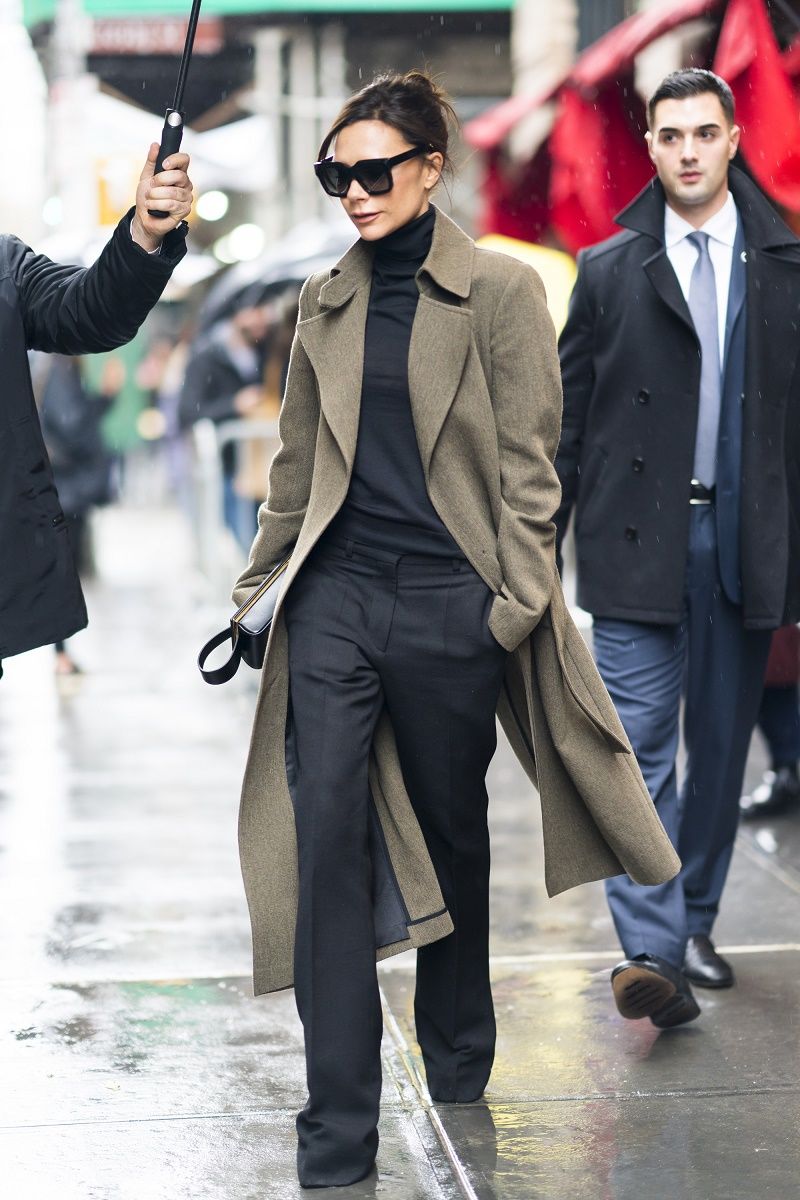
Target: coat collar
[
  {"x": 764, "y": 229},
  {"x": 449, "y": 265}
]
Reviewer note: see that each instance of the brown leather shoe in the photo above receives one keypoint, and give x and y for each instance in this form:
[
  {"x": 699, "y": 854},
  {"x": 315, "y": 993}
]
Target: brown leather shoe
[
  {"x": 704, "y": 966},
  {"x": 648, "y": 986}
]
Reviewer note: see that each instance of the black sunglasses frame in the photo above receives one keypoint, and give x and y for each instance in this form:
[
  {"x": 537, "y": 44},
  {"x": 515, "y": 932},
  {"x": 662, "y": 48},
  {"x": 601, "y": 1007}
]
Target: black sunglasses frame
[{"x": 356, "y": 171}]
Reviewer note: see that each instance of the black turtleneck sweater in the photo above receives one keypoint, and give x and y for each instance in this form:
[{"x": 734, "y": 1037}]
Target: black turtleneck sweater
[{"x": 387, "y": 504}]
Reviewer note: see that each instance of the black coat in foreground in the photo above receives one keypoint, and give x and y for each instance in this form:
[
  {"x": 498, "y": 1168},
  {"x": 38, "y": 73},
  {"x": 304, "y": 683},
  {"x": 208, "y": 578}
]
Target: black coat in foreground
[
  {"x": 66, "y": 310},
  {"x": 630, "y": 363}
]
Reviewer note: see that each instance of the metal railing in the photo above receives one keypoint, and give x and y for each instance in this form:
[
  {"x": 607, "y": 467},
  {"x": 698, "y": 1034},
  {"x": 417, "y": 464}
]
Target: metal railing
[{"x": 218, "y": 553}]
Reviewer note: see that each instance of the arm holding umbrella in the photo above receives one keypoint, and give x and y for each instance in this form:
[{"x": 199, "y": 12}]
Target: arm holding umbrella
[
  {"x": 171, "y": 188},
  {"x": 75, "y": 310}
]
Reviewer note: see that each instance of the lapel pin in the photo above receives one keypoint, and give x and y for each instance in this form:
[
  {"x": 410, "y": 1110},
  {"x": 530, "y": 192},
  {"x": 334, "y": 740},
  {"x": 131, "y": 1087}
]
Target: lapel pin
[{"x": 743, "y": 256}]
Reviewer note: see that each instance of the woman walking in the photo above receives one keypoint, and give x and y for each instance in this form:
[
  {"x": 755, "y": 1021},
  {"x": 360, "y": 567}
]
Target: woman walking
[{"x": 413, "y": 493}]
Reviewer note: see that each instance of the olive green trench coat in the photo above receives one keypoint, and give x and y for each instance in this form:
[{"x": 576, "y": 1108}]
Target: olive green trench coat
[{"x": 486, "y": 400}]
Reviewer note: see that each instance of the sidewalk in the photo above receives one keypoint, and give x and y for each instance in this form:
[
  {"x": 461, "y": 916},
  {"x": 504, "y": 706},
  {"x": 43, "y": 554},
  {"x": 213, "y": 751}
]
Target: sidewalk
[{"x": 135, "y": 1062}]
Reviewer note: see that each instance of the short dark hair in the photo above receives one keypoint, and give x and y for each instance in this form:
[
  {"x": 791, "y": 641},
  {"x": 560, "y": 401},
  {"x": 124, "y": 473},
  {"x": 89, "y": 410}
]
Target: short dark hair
[
  {"x": 692, "y": 81},
  {"x": 413, "y": 104}
]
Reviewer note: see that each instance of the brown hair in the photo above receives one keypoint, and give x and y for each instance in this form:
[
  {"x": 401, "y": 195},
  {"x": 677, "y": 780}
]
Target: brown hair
[{"x": 413, "y": 104}]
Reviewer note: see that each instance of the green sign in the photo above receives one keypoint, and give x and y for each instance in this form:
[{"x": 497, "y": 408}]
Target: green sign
[{"x": 42, "y": 10}]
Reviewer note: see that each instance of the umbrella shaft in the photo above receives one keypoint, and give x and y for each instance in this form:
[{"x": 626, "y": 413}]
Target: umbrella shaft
[{"x": 177, "y": 103}]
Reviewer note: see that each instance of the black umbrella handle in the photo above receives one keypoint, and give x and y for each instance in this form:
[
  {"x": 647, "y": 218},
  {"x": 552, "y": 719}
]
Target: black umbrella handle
[{"x": 171, "y": 137}]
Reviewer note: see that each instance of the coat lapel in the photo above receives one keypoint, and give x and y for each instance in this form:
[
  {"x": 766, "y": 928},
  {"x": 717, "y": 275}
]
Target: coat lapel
[
  {"x": 738, "y": 288},
  {"x": 334, "y": 340},
  {"x": 334, "y": 343},
  {"x": 440, "y": 341},
  {"x": 772, "y": 274},
  {"x": 772, "y": 344},
  {"x": 645, "y": 214},
  {"x": 442, "y": 333},
  {"x": 660, "y": 272}
]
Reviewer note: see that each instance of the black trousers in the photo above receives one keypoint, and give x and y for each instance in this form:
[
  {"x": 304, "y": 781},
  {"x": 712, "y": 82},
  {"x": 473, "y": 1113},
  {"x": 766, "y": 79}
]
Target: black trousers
[{"x": 366, "y": 630}]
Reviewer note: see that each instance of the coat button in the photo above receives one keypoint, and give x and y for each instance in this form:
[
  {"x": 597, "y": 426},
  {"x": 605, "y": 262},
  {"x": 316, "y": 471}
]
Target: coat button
[
  {"x": 644, "y": 396},
  {"x": 631, "y": 533},
  {"x": 638, "y": 465}
]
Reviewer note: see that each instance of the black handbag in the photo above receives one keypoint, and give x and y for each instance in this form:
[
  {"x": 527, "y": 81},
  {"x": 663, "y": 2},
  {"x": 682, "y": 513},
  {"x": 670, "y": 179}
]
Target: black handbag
[{"x": 248, "y": 630}]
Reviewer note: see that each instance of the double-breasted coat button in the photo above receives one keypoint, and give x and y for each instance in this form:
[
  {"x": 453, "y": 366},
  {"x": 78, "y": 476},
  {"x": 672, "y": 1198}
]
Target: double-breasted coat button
[
  {"x": 638, "y": 464},
  {"x": 631, "y": 533},
  {"x": 644, "y": 396}
]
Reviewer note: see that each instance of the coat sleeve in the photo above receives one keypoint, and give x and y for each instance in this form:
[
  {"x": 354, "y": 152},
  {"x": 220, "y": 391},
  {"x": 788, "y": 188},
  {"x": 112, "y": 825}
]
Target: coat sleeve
[
  {"x": 526, "y": 396},
  {"x": 77, "y": 310},
  {"x": 281, "y": 517},
  {"x": 576, "y": 351}
]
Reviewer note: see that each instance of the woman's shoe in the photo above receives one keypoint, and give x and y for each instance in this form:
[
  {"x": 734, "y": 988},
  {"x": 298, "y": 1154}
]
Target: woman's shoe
[
  {"x": 449, "y": 1096},
  {"x": 373, "y": 1170},
  {"x": 465, "y": 1084},
  {"x": 331, "y": 1152}
]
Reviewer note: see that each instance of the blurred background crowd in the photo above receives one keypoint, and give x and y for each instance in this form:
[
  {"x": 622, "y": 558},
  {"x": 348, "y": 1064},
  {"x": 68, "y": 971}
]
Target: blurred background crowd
[{"x": 551, "y": 96}]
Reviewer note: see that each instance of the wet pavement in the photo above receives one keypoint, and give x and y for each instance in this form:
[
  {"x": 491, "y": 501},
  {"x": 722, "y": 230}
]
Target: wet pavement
[{"x": 134, "y": 1060}]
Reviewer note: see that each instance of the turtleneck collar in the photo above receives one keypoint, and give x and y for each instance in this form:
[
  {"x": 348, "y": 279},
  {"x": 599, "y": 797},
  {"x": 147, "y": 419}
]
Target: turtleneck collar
[{"x": 410, "y": 243}]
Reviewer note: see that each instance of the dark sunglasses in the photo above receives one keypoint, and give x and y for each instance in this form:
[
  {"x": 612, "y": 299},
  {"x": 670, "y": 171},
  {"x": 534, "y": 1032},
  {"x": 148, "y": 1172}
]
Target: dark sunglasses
[{"x": 373, "y": 174}]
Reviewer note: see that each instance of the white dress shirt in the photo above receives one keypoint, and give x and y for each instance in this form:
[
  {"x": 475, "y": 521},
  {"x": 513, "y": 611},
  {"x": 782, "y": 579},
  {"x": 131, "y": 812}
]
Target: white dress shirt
[
  {"x": 721, "y": 230},
  {"x": 157, "y": 249}
]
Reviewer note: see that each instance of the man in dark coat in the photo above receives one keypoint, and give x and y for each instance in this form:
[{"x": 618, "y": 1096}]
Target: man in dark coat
[
  {"x": 680, "y": 454},
  {"x": 68, "y": 310}
]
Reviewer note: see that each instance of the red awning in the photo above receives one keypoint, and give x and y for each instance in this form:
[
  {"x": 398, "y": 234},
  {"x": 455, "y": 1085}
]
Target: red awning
[
  {"x": 607, "y": 58},
  {"x": 767, "y": 106}
]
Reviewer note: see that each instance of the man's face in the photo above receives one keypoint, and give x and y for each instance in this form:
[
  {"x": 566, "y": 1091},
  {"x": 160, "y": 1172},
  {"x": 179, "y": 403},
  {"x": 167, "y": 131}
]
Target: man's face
[
  {"x": 691, "y": 144},
  {"x": 253, "y": 323}
]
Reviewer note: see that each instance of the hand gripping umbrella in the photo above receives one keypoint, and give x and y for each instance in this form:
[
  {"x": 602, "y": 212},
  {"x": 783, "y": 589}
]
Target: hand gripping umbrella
[{"x": 172, "y": 133}]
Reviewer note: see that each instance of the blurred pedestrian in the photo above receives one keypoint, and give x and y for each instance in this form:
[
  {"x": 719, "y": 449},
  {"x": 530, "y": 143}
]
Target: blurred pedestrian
[
  {"x": 152, "y": 368},
  {"x": 414, "y": 491},
  {"x": 779, "y": 723},
  {"x": 68, "y": 310},
  {"x": 71, "y": 416},
  {"x": 257, "y": 452},
  {"x": 162, "y": 373},
  {"x": 679, "y": 455},
  {"x": 224, "y": 382}
]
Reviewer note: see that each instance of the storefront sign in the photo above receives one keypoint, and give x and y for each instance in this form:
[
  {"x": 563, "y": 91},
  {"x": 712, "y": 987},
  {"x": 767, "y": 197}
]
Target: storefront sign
[{"x": 159, "y": 36}]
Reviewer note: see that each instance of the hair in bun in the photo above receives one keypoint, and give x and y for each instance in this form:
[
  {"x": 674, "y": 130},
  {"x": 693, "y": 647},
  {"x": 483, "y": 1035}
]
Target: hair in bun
[{"x": 412, "y": 103}]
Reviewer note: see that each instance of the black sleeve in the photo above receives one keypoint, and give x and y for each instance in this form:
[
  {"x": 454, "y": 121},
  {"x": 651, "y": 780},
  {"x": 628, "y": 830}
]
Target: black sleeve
[
  {"x": 77, "y": 310},
  {"x": 576, "y": 353}
]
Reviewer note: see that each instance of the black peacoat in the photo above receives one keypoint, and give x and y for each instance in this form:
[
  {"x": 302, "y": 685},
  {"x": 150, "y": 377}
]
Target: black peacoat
[
  {"x": 630, "y": 363},
  {"x": 69, "y": 310}
]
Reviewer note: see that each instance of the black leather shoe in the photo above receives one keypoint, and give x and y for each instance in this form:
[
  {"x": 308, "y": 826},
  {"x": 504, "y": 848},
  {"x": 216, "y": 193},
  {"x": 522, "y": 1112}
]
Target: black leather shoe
[
  {"x": 649, "y": 986},
  {"x": 778, "y": 792},
  {"x": 703, "y": 966},
  {"x": 681, "y": 1009}
]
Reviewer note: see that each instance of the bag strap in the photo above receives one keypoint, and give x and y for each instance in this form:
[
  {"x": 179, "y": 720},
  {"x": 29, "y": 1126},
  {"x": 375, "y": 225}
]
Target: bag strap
[{"x": 228, "y": 669}]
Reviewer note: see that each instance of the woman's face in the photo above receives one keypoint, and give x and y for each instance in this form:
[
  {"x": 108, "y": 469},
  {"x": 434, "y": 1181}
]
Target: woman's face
[{"x": 376, "y": 216}]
